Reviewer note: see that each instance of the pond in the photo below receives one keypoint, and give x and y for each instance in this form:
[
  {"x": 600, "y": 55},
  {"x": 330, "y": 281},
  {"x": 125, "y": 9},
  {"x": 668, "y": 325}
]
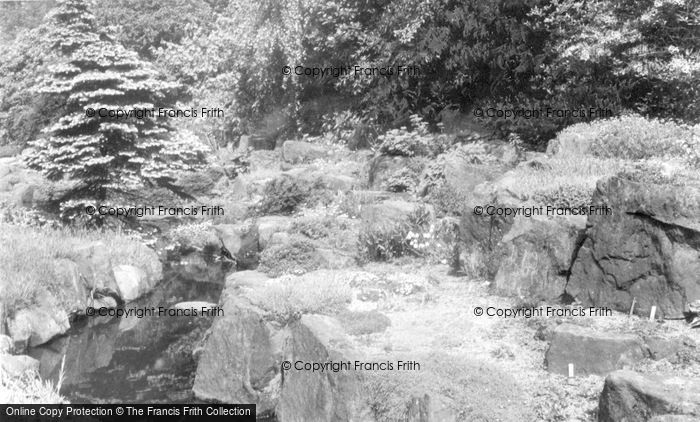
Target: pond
[{"x": 135, "y": 360}]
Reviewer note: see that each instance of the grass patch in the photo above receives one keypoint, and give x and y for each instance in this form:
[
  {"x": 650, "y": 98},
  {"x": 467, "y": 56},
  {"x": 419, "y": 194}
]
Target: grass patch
[
  {"x": 474, "y": 391},
  {"x": 29, "y": 255},
  {"x": 567, "y": 181},
  {"x": 289, "y": 297},
  {"x": 29, "y": 388},
  {"x": 359, "y": 323}
]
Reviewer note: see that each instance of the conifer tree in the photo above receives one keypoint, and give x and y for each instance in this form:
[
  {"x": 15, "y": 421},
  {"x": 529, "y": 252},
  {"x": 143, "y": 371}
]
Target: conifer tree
[{"x": 106, "y": 155}]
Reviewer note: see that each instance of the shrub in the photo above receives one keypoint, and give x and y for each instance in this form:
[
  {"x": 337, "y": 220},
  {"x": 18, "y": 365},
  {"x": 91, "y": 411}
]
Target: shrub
[
  {"x": 403, "y": 180},
  {"x": 448, "y": 200},
  {"x": 409, "y": 143},
  {"x": 415, "y": 236},
  {"x": 284, "y": 194},
  {"x": 296, "y": 257},
  {"x": 193, "y": 236}
]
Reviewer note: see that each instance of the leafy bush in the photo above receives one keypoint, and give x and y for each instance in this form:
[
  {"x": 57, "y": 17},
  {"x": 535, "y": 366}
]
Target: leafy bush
[
  {"x": 403, "y": 180},
  {"x": 298, "y": 256},
  {"x": 283, "y": 195},
  {"x": 192, "y": 236},
  {"x": 415, "y": 236},
  {"x": 409, "y": 143}
]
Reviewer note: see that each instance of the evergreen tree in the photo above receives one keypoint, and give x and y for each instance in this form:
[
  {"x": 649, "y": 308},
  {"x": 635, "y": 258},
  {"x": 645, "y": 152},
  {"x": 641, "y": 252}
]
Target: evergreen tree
[{"x": 106, "y": 155}]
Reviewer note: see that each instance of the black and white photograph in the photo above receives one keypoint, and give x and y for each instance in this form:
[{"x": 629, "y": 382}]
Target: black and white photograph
[{"x": 350, "y": 210}]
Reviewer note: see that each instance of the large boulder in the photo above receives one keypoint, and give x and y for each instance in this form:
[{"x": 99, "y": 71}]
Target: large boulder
[
  {"x": 242, "y": 240},
  {"x": 37, "y": 325},
  {"x": 243, "y": 352},
  {"x": 648, "y": 249},
  {"x": 238, "y": 361},
  {"x": 590, "y": 351},
  {"x": 18, "y": 365},
  {"x": 534, "y": 256},
  {"x": 314, "y": 395},
  {"x": 299, "y": 152},
  {"x": 5, "y": 344},
  {"x": 95, "y": 258},
  {"x": 269, "y": 225},
  {"x": 132, "y": 282},
  {"x": 632, "y": 397}
]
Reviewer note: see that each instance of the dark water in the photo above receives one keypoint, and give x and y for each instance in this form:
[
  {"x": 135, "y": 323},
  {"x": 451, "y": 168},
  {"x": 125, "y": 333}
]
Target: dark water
[{"x": 132, "y": 360}]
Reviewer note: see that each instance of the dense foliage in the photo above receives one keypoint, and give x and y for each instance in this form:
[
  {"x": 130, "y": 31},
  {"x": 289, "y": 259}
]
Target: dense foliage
[
  {"x": 531, "y": 54},
  {"x": 104, "y": 153}
]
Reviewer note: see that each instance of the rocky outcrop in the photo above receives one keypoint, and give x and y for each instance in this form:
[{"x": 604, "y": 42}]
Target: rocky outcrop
[
  {"x": 37, "y": 325},
  {"x": 320, "y": 396},
  {"x": 242, "y": 240},
  {"x": 17, "y": 365},
  {"x": 5, "y": 344},
  {"x": 535, "y": 255},
  {"x": 242, "y": 356},
  {"x": 648, "y": 249},
  {"x": 632, "y": 397},
  {"x": 238, "y": 361},
  {"x": 78, "y": 281},
  {"x": 300, "y": 152},
  {"x": 590, "y": 351},
  {"x": 132, "y": 282},
  {"x": 269, "y": 225}
]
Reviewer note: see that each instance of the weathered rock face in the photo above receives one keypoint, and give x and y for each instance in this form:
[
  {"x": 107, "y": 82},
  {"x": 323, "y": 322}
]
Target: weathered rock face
[
  {"x": 591, "y": 352},
  {"x": 238, "y": 361},
  {"x": 300, "y": 152},
  {"x": 131, "y": 281},
  {"x": 648, "y": 249},
  {"x": 76, "y": 278},
  {"x": 316, "y": 396},
  {"x": 39, "y": 323},
  {"x": 242, "y": 240},
  {"x": 5, "y": 344},
  {"x": 631, "y": 397},
  {"x": 269, "y": 225},
  {"x": 534, "y": 257},
  {"x": 241, "y": 357}
]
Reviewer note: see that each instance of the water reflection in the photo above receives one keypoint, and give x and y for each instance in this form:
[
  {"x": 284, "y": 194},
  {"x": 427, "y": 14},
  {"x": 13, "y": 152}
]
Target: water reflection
[{"x": 135, "y": 359}]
